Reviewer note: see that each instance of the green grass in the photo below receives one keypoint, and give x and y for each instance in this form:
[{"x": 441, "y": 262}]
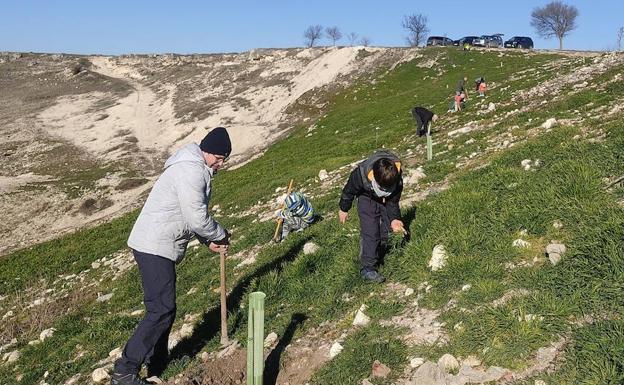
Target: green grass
[{"x": 477, "y": 219}]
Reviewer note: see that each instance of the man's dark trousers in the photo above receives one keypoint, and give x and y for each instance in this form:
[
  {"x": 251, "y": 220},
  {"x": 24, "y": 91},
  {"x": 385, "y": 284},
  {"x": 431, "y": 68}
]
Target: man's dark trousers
[
  {"x": 149, "y": 341},
  {"x": 420, "y": 129},
  {"x": 374, "y": 229}
]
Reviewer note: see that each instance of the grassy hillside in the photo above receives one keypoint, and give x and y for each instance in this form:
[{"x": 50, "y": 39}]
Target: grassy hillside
[{"x": 490, "y": 202}]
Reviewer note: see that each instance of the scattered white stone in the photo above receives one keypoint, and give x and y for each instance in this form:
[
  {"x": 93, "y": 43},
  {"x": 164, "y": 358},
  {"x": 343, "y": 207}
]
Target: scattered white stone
[
  {"x": 186, "y": 330},
  {"x": 555, "y": 247},
  {"x": 459, "y": 326},
  {"x": 322, "y": 175},
  {"x": 104, "y": 298},
  {"x": 310, "y": 248},
  {"x": 460, "y": 131},
  {"x": 228, "y": 350},
  {"x": 7, "y": 346},
  {"x": 466, "y": 287},
  {"x": 335, "y": 349},
  {"x": 530, "y": 318},
  {"x": 550, "y": 123},
  {"x": 192, "y": 290},
  {"x": 361, "y": 319},
  {"x": 270, "y": 340},
  {"x": 520, "y": 243},
  {"x": 95, "y": 265},
  {"x": 251, "y": 259},
  {"x": 409, "y": 291},
  {"x": 115, "y": 353},
  {"x": 46, "y": 334},
  {"x": 99, "y": 375},
  {"x": 38, "y": 301},
  {"x": 429, "y": 374},
  {"x": 8, "y": 314},
  {"x": 154, "y": 380},
  {"x": 34, "y": 342},
  {"x": 205, "y": 356},
  {"x": 540, "y": 382},
  {"x": 11, "y": 356},
  {"x": 471, "y": 361},
  {"x": 491, "y": 106},
  {"x": 72, "y": 380},
  {"x": 557, "y": 224},
  {"x": 470, "y": 141},
  {"x": 137, "y": 313},
  {"x": 416, "y": 362},
  {"x": 526, "y": 164},
  {"x": 438, "y": 258},
  {"x": 414, "y": 176},
  {"x": 554, "y": 258},
  {"x": 193, "y": 243},
  {"x": 448, "y": 363}
]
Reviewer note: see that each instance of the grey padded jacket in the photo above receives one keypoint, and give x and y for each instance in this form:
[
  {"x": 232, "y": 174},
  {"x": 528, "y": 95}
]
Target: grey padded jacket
[{"x": 177, "y": 208}]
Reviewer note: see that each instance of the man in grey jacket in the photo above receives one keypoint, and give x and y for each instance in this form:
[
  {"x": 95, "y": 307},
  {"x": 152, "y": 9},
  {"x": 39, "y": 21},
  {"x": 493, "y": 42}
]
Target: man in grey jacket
[{"x": 175, "y": 211}]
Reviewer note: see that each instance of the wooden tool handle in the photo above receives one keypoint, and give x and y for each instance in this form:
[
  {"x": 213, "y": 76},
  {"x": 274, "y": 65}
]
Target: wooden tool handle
[
  {"x": 224, "y": 336},
  {"x": 279, "y": 220}
]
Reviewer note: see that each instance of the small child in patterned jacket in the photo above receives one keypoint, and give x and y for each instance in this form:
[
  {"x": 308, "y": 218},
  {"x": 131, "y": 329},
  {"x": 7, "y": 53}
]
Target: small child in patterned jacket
[{"x": 297, "y": 214}]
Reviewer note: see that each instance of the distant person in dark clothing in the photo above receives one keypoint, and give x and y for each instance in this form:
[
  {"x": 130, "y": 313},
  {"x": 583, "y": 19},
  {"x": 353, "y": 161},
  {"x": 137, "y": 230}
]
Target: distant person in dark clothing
[
  {"x": 423, "y": 117},
  {"x": 461, "y": 86},
  {"x": 377, "y": 184}
]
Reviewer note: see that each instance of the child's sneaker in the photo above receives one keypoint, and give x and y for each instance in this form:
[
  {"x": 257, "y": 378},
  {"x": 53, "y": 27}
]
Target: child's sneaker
[
  {"x": 372, "y": 276},
  {"x": 127, "y": 379}
]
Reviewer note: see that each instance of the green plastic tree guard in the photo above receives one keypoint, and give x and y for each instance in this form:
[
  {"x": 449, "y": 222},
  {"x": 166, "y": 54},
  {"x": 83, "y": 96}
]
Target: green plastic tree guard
[
  {"x": 255, "y": 338},
  {"x": 429, "y": 143}
]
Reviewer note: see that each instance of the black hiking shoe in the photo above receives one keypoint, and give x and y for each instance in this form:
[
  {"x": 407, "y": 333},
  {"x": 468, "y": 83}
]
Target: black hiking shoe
[
  {"x": 127, "y": 379},
  {"x": 372, "y": 276}
]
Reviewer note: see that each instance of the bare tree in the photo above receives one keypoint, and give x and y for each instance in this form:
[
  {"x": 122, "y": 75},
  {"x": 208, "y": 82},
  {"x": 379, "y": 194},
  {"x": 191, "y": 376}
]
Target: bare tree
[
  {"x": 554, "y": 19},
  {"x": 334, "y": 34},
  {"x": 619, "y": 38},
  {"x": 365, "y": 41},
  {"x": 352, "y": 38},
  {"x": 312, "y": 34},
  {"x": 416, "y": 25}
]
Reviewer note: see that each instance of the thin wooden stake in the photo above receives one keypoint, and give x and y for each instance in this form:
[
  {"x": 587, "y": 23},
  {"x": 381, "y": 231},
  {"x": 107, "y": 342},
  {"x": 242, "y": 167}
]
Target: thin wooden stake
[{"x": 280, "y": 220}]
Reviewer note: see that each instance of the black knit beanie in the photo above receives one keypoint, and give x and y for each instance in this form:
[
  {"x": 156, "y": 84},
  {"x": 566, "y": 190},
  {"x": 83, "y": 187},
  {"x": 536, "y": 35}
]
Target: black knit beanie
[{"x": 217, "y": 142}]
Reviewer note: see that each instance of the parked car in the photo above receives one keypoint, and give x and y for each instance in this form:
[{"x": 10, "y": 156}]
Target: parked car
[
  {"x": 519, "y": 42},
  {"x": 439, "y": 40},
  {"x": 489, "y": 41},
  {"x": 465, "y": 39}
]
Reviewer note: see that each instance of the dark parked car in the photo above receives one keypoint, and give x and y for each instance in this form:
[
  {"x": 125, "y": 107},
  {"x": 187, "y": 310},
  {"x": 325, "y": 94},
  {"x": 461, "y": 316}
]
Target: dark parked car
[
  {"x": 439, "y": 40},
  {"x": 465, "y": 39},
  {"x": 489, "y": 41},
  {"x": 519, "y": 42}
]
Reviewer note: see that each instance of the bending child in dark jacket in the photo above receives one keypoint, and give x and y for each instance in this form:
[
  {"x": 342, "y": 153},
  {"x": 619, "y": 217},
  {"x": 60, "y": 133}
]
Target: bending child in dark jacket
[{"x": 377, "y": 184}]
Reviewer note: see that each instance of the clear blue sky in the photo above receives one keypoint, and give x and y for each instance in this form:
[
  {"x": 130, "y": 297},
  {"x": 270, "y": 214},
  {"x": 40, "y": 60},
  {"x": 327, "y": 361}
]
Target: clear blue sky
[{"x": 140, "y": 26}]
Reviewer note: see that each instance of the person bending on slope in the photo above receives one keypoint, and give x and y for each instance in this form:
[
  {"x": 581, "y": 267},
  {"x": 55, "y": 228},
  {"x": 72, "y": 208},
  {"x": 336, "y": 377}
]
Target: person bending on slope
[
  {"x": 297, "y": 214},
  {"x": 377, "y": 184},
  {"x": 423, "y": 118}
]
